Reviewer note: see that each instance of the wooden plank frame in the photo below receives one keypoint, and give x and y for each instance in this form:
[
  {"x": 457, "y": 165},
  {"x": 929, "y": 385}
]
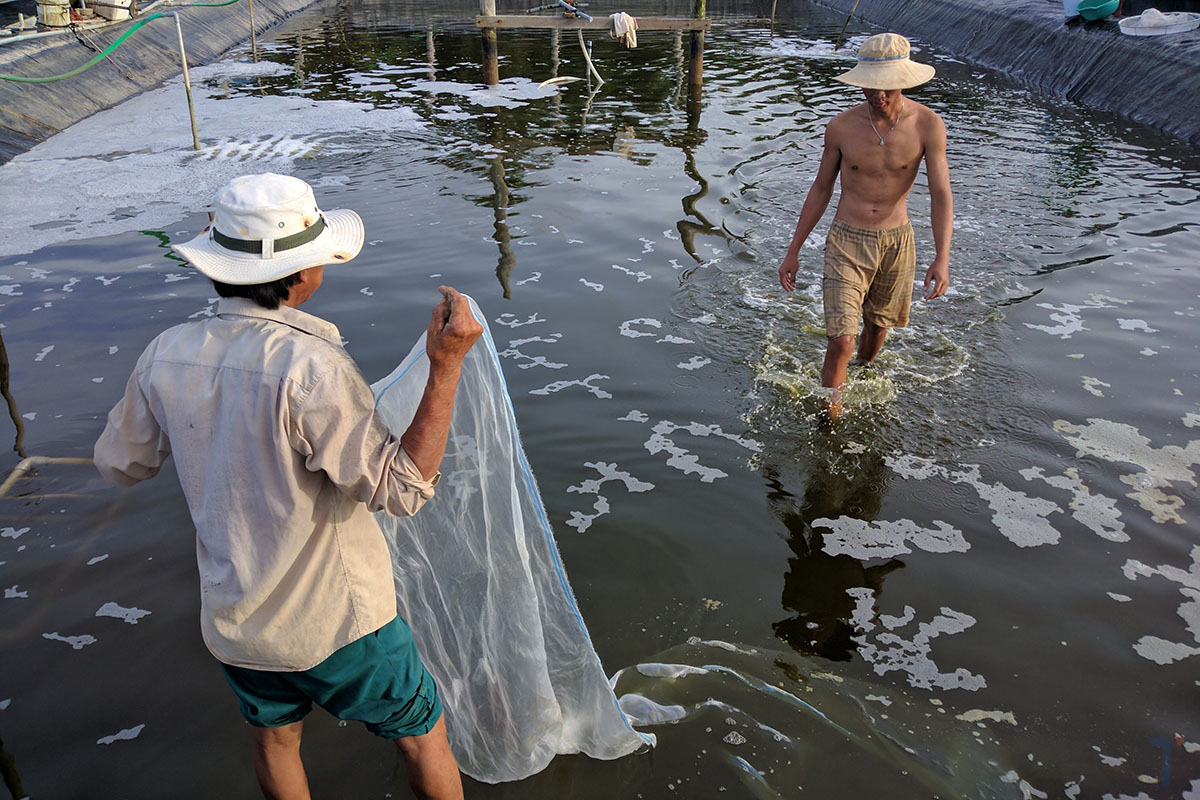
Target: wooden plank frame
[{"x": 517, "y": 22}]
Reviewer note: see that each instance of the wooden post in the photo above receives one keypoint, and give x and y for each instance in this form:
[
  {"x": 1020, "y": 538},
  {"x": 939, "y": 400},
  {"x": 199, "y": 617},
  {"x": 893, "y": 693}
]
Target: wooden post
[
  {"x": 696, "y": 52},
  {"x": 491, "y": 64}
]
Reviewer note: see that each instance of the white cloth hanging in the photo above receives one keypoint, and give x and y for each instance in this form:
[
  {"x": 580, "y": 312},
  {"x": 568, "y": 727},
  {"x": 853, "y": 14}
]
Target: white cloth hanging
[
  {"x": 624, "y": 29},
  {"x": 480, "y": 581}
]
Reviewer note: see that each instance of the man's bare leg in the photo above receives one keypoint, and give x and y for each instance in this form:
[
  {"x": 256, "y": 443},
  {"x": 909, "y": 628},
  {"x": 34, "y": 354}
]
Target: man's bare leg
[
  {"x": 871, "y": 342},
  {"x": 277, "y": 763},
  {"x": 432, "y": 770},
  {"x": 833, "y": 371}
]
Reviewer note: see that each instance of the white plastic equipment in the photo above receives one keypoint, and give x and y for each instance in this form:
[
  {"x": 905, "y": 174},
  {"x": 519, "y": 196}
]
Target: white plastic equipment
[
  {"x": 1153, "y": 22},
  {"x": 480, "y": 581},
  {"x": 54, "y": 13}
]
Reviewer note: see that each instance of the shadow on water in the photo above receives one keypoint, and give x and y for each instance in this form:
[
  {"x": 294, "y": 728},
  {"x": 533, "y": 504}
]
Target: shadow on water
[
  {"x": 6, "y": 391},
  {"x": 815, "y": 586}
]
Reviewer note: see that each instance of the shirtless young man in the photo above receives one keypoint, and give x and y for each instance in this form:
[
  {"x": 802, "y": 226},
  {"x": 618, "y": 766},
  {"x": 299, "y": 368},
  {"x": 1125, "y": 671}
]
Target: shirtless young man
[{"x": 870, "y": 259}]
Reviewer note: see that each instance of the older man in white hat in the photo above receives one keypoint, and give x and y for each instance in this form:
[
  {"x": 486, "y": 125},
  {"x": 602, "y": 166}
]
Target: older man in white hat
[
  {"x": 876, "y": 148},
  {"x": 282, "y": 459}
]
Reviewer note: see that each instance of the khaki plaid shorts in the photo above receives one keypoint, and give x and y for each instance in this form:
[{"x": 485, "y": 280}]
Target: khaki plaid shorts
[{"x": 868, "y": 274}]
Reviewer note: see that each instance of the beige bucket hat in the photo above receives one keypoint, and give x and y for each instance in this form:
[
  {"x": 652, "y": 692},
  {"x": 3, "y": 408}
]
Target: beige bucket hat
[
  {"x": 883, "y": 63},
  {"x": 266, "y": 227}
]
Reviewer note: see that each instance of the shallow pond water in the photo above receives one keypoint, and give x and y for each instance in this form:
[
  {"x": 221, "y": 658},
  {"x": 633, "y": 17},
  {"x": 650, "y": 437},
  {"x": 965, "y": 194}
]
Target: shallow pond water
[{"x": 984, "y": 583}]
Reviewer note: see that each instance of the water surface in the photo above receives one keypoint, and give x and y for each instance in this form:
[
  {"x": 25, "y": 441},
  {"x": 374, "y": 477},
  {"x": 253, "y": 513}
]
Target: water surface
[{"x": 985, "y": 583}]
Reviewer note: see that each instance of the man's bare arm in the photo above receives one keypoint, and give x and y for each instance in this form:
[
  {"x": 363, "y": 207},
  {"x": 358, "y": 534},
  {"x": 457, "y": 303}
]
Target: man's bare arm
[
  {"x": 941, "y": 207},
  {"x": 450, "y": 335},
  {"x": 819, "y": 195}
]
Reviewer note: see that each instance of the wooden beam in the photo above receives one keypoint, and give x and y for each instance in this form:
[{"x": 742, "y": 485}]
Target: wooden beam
[
  {"x": 491, "y": 52},
  {"x": 514, "y": 21}
]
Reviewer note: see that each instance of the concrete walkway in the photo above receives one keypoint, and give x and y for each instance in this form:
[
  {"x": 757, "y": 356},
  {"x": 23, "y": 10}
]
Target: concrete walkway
[{"x": 1154, "y": 80}]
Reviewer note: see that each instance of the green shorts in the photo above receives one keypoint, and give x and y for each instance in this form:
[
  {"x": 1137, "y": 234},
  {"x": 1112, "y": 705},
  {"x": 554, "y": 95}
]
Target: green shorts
[{"x": 378, "y": 680}]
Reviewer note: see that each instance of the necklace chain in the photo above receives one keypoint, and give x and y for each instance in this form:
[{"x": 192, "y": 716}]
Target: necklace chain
[{"x": 889, "y": 133}]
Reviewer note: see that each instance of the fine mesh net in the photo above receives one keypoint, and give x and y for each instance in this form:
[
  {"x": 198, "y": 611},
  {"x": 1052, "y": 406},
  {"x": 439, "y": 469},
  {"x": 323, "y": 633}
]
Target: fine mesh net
[{"x": 480, "y": 581}]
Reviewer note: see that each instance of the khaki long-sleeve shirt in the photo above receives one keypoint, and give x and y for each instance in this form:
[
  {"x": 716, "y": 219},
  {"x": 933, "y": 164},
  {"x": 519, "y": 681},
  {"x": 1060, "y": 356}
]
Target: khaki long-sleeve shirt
[{"x": 282, "y": 459}]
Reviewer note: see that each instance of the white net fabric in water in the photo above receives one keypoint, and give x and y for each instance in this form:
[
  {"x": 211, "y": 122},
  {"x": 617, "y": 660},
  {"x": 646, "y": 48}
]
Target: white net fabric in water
[{"x": 480, "y": 581}]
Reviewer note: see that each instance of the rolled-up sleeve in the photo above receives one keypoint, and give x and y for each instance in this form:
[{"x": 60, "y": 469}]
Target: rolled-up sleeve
[
  {"x": 133, "y": 446},
  {"x": 335, "y": 428}
]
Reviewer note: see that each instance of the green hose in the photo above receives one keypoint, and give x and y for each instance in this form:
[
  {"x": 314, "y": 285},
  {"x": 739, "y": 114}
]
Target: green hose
[
  {"x": 95, "y": 60},
  {"x": 103, "y": 54}
]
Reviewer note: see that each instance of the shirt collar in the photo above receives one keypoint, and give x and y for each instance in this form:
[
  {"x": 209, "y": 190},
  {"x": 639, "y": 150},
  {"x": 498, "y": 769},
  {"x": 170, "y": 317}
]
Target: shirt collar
[{"x": 292, "y": 317}]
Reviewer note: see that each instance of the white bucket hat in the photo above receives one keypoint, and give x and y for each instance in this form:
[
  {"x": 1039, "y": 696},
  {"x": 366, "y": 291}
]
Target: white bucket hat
[
  {"x": 266, "y": 227},
  {"x": 883, "y": 64}
]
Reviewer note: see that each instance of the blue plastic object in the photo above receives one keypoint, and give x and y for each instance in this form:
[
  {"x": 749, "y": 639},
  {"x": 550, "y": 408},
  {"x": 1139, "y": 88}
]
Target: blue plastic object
[{"x": 1097, "y": 9}]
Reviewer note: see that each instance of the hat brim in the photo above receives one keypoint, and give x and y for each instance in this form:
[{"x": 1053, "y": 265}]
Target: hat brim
[
  {"x": 887, "y": 76},
  {"x": 341, "y": 241}
]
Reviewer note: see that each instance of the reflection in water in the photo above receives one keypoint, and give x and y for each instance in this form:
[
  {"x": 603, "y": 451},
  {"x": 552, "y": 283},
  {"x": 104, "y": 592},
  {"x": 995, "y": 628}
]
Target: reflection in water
[
  {"x": 815, "y": 586},
  {"x": 18, "y": 445},
  {"x": 502, "y": 236},
  {"x": 688, "y": 230},
  {"x": 12, "y": 778}
]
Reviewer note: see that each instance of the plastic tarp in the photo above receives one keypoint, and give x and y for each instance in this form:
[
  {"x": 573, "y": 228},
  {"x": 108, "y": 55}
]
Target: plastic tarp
[{"x": 480, "y": 581}]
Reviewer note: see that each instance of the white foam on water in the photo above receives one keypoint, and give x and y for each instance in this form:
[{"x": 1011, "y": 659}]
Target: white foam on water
[
  {"x": 526, "y": 361},
  {"x": 97, "y": 559},
  {"x": 918, "y": 468},
  {"x": 510, "y": 321},
  {"x": 1020, "y": 518},
  {"x": 1092, "y": 385},
  {"x": 82, "y": 175},
  {"x": 863, "y": 540},
  {"x": 122, "y": 736},
  {"x": 558, "y": 386},
  {"x": 641, "y": 276},
  {"x": 76, "y": 642},
  {"x": 598, "y": 287},
  {"x": 1120, "y": 598},
  {"x": 635, "y": 416},
  {"x": 681, "y": 458},
  {"x": 1069, "y": 318},
  {"x": 888, "y": 651},
  {"x": 627, "y": 328},
  {"x": 14, "y": 592},
  {"x": 509, "y": 93},
  {"x": 608, "y": 472},
  {"x": 1124, "y": 444},
  {"x": 1027, "y": 791},
  {"x": 695, "y": 362},
  {"x": 1157, "y": 649},
  {"x": 13, "y": 533},
  {"x": 1097, "y": 512},
  {"x": 1135, "y": 325},
  {"x": 534, "y": 278},
  {"x": 129, "y": 615},
  {"x": 978, "y": 715}
]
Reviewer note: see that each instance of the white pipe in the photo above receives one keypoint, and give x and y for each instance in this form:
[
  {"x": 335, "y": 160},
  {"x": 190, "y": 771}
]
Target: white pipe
[{"x": 588, "y": 58}]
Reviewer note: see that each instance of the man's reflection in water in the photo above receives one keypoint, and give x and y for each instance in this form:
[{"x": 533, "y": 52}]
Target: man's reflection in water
[
  {"x": 12, "y": 779},
  {"x": 815, "y": 585}
]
